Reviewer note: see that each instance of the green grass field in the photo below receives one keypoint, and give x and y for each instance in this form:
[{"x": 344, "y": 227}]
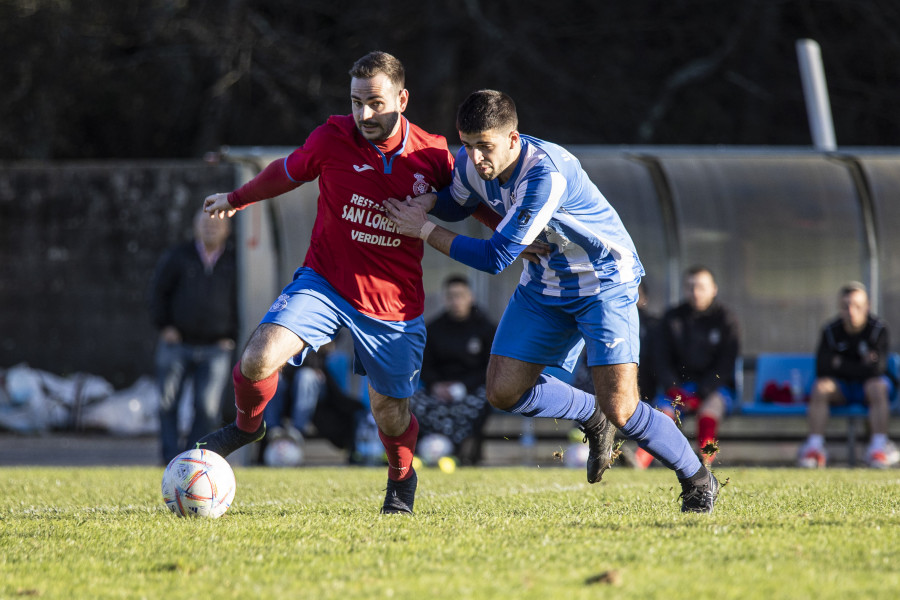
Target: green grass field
[{"x": 478, "y": 533}]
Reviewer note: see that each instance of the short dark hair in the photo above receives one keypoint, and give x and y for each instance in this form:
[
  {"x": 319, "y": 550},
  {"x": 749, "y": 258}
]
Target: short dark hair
[
  {"x": 485, "y": 110},
  {"x": 376, "y": 62},
  {"x": 697, "y": 269},
  {"x": 456, "y": 279}
]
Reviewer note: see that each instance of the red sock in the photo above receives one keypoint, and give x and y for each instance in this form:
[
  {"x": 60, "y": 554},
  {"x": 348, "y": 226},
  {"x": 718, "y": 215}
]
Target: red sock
[
  {"x": 706, "y": 430},
  {"x": 251, "y": 397},
  {"x": 400, "y": 450}
]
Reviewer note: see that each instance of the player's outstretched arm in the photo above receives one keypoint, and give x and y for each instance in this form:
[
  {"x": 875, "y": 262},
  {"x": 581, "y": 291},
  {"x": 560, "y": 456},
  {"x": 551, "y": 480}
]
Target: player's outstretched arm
[
  {"x": 490, "y": 256},
  {"x": 444, "y": 208},
  {"x": 217, "y": 206}
]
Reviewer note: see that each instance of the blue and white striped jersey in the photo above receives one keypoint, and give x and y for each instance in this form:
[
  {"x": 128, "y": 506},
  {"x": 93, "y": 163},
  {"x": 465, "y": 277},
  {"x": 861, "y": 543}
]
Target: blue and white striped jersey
[{"x": 549, "y": 197}]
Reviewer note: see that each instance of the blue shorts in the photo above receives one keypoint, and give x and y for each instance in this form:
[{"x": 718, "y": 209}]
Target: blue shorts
[
  {"x": 550, "y": 330},
  {"x": 664, "y": 403},
  {"x": 388, "y": 352},
  {"x": 854, "y": 391}
]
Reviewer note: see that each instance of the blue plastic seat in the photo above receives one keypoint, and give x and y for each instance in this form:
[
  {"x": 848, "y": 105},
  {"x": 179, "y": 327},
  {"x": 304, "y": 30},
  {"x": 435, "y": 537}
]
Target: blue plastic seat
[{"x": 799, "y": 371}]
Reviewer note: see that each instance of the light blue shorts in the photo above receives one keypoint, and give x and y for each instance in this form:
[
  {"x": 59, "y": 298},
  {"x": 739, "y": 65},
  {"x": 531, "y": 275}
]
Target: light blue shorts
[
  {"x": 388, "y": 352},
  {"x": 549, "y": 330}
]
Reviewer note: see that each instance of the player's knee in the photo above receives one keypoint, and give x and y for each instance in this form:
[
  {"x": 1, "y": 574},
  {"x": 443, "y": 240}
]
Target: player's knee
[
  {"x": 823, "y": 389},
  {"x": 254, "y": 366}
]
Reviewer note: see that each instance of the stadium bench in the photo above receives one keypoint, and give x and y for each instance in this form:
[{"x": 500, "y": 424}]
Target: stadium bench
[{"x": 798, "y": 371}]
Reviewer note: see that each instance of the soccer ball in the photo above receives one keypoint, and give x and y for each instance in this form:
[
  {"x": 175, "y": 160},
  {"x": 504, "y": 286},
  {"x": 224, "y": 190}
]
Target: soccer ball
[
  {"x": 198, "y": 483},
  {"x": 575, "y": 456},
  {"x": 433, "y": 447},
  {"x": 283, "y": 452}
]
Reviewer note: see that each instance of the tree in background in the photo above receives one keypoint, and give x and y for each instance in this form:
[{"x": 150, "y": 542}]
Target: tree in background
[{"x": 172, "y": 78}]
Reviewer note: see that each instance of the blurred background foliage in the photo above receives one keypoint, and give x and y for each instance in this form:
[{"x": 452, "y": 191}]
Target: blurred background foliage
[{"x": 176, "y": 78}]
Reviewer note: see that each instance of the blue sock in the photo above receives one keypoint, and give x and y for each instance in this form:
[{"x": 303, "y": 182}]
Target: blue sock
[
  {"x": 657, "y": 434},
  {"x": 553, "y": 398}
]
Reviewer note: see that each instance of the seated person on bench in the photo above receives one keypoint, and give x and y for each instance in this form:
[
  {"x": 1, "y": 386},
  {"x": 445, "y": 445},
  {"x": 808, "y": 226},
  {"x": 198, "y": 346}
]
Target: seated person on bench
[
  {"x": 851, "y": 368},
  {"x": 699, "y": 344}
]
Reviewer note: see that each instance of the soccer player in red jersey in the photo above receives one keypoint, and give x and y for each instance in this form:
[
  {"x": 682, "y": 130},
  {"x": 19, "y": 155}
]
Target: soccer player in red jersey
[{"x": 359, "y": 273}]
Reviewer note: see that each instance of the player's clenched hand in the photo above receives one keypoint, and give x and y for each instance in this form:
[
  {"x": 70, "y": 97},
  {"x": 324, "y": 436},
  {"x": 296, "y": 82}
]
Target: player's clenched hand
[
  {"x": 535, "y": 251},
  {"x": 408, "y": 218},
  {"x": 217, "y": 206}
]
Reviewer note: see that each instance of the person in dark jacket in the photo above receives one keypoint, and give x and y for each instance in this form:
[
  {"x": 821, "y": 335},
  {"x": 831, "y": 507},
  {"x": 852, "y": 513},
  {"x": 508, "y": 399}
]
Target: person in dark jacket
[
  {"x": 851, "y": 367},
  {"x": 193, "y": 303},
  {"x": 699, "y": 344},
  {"x": 453, "y": 402}
]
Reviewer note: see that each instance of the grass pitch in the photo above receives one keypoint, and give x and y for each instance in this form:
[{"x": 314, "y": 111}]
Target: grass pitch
[{"x": 478, "y": 533}]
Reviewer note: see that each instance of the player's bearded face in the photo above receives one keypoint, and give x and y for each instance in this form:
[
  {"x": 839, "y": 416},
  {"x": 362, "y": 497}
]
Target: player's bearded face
[
  {"x": 493, "y": 153},
  {"x": 377, "y": 105}
]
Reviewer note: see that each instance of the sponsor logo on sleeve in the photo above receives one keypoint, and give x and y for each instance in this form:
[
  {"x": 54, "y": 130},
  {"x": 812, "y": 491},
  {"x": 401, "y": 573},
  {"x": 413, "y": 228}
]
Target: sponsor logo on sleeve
[
  {"x": 280, "y": 303},
  {"x": 524, "y": 217}
]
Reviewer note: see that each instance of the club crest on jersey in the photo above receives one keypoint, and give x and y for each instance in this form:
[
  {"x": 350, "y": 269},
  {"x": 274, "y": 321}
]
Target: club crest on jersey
[
  {"x": 279, "y": 304},
  {"x": 420, "y": 186},
  {"x": 524, "y": 217}
]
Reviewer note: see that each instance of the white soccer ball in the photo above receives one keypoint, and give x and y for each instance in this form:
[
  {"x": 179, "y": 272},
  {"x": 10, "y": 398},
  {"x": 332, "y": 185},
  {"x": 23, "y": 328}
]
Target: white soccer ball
[
  {"x": 433, "y": 447},
  {"x": 576, "y": 455},
  {"x": 198, "y": 483},
  {"x": 283, "y": 452}
]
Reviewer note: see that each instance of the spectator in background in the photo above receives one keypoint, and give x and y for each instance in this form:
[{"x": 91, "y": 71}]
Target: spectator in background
[
  {"x": 193, "y": 303},
  {"x": 698, "y": 351},
  {"x": 312, "y": 395},
  {"x": 851, "y": 367},
  {"x": 453, "y": 402}
]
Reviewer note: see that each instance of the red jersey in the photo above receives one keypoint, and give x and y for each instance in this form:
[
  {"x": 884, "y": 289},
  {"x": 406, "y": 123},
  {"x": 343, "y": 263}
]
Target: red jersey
[{"x": 354, "y": 245}]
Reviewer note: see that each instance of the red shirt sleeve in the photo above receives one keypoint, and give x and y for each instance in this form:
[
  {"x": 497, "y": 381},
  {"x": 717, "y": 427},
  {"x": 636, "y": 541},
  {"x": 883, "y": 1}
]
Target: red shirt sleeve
[
  {"x": 487, "y": 216},
  {"x": 284, "y": 174},
  {"x": 271, "y": 181}
]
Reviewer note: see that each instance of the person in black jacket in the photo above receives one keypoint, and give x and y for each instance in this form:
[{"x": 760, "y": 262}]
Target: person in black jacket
[
  {"x": 699, "y": 343},
  {"x": 453, "y": 402},
  {"x": 193, "y": 303},
  {"x": 851, "y": 367}
]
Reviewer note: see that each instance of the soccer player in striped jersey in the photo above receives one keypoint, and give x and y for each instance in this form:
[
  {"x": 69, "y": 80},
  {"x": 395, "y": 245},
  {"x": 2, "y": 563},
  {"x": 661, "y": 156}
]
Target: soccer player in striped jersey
[
  {"x": 359, "y": 273},
  {"x": 584, "y": 291}
]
